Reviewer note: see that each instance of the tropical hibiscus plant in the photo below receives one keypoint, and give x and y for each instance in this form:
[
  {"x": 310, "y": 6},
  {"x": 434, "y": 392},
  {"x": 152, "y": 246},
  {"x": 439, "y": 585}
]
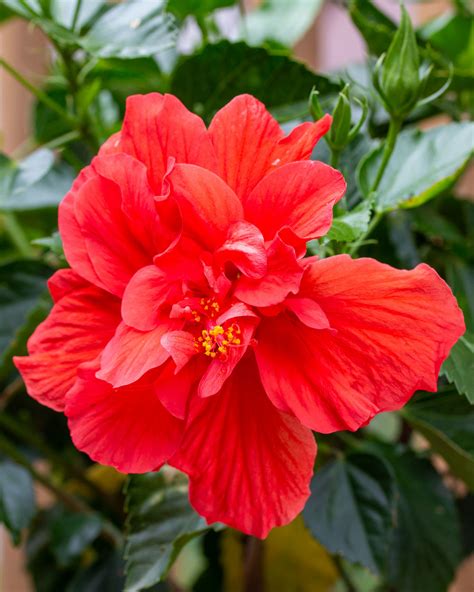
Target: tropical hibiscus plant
[{"x": 236, "y": 301}]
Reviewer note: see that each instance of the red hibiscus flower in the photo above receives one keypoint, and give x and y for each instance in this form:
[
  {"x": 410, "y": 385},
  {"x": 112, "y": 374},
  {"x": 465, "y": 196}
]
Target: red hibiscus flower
[{"x": 191, "y": 330}]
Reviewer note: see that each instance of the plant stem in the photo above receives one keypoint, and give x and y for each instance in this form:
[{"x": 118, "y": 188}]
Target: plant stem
[
  {"x": 77, "y": 11},
  {"x": 373, "y": 223},
  {"x": 344, "y": 575},
  {"x": 389, "y": 146},
  {"x": 334, "y": 160},
  {"x": 39, "y": 94},
  {"x": 17, "y": 236},
  {"x": 62, "y": 140},
  {"x": 253, "y": 567}
]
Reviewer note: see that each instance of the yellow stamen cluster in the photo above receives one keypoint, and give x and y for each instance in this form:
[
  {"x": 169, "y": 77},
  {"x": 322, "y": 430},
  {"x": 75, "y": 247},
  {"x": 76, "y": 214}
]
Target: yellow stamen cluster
[
  {"x": 216, "y": 341},
  {"x": 210, "y": 306}
]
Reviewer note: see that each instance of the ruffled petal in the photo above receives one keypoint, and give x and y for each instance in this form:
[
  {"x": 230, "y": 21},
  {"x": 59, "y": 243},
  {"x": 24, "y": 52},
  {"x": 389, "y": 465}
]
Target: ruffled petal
[
  {"x": 126, "y": 428},
  {"x": 146, "y": 293},
  {"x": 390, "y": 332},
  {"x": 249, "y": 143},
  {"x": 207, "y": 205},
  {"x": 308, "y": 312},
  {"x": 131, "y": 353},
  {"x": 77, "y": 329},
  {"x": 283, "y": 276},
  {"x": 299, "y": 195},
  {"x": 245, "y": 248},
  {"x": 157, "y": 127},
  {"x": 249, "y": 465}
]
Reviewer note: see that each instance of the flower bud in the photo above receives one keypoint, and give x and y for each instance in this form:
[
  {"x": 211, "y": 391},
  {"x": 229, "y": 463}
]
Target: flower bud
[
  {"x": 400, "y": 84},
  {"x": 341, "y": 122},
  {"x": 314, "y": 105}
]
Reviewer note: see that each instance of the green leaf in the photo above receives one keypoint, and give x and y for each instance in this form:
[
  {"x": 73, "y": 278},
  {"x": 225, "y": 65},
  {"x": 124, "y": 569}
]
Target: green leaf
[
  {"x": 375, "y": 27},
  {"x": 72, "y": 534},
  {"x": 350, "y": 509},
  {"x": 22, "y": 283},
  {"x": 17, "y": 498},
  {"x": 447, "y": 422},
  {"x": 351, "y": 225},
  {"x": 279, "y": 20},
  {"x": 132, "y": 29},
  {"x": 212, "y": 77},
  {"x": 460, "y": 276},
  {"x": 436, "y": 158},
  {"x": 200, "y": 8},
  {"x": 425, "y": 546},
  {"x": 160, "y": 522},
  {"x": 38, "y": 181},
  {"x": 459, "y": 367}
]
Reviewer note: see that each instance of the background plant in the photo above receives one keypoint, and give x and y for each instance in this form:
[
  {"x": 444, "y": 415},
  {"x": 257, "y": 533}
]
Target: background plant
[{"x": 382, "y": 517}]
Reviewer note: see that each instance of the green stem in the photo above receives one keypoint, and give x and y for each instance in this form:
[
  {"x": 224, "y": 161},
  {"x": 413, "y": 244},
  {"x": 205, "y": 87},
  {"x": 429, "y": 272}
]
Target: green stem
[
  {"x": 16, "y": 235},
  {"x": 334, "y": 160},
  {"x": 388, "y": 149},
  {"x": 373, "y": 223},
  {"x": 344, "y": 575},
  {"x": 62, "y": 140},
  {"x": 77, "y": 10},
  {"x": 39, "y": 94}
]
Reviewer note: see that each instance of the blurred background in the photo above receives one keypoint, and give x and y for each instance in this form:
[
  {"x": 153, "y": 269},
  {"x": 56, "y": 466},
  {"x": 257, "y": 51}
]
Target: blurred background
[{"x": 327, "y": 41}]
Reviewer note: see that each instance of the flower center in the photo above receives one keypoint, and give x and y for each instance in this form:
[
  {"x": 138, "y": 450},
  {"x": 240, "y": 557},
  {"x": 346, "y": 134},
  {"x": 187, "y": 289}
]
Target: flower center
[{"x": 216, "y": 340}]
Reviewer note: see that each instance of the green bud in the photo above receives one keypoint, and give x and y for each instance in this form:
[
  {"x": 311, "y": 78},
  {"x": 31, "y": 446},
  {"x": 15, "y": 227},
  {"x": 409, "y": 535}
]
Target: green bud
[
  {"x": 314, "y": 106},
  {"x": 400, "y": 83},
  {"x": 341, "y": 120}
]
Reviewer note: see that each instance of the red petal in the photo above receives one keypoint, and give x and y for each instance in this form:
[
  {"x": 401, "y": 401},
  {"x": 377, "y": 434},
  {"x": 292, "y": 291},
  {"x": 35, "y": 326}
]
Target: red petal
[
  {"x": 146, "y": 293},
  {"x": 308, "y": 312},
  {"x": 249, "y": 464},
  {"x": 249, "y": 142},
  {"x": 244, "y": 135},
  {"x": 65, "y": 281},
  {"x": 219, "y": 370},
  {"x": 76, "y": 331},
  {"x": 245, "y": 248},
  {"x": 299, "y": 144},
  {"x": 131, "y": 353},
  {"x": 112, "y": 145},
  {"x": 283, "y": 276},
  {"x": 208, "y": 206},
  {"x": 174, "y": 390},
  {"x": 159, "y": 126},
  {"x": 299, "y": 195},
  {"x": 180, "y": 346},
  {"x": 127, "y": 428},
  {"x": 393, "y": 330}
]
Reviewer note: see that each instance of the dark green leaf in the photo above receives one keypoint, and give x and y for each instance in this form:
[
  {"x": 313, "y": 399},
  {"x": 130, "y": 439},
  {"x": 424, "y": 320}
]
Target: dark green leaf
[
  {"x": 447, "y": 422},
  {"x": 132, "y": 29},
  {"x": 72, "y": 533},
  {"x": 460, "y": 277},
  {"x": 38, "y": 181},
  {"x": 279, "y": 20},
  {"x": 21, "y": 285},
  {"x": 185, "y": 8},
  {"x": 459, "y": 367},
  {"x": 350, "y": 509},
  {"x": 376, "y": 28},
  {"x": 209, "y": 79},
  {"x": 17, "y": 498},
  {"x": 105, "y": 575},
  {"x": 160, "y": 522},
  {"x": 436, "y": 159},
  {"x": 425, "y": 547}
]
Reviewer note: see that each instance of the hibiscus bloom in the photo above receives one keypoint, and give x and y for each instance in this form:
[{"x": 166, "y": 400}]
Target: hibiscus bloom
[{"x": 190, "y": 328}]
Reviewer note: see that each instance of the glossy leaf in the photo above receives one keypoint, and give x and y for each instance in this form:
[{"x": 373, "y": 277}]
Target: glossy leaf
[
  {"x": 459, "y": 367},
  {"x": 160, "y": 522},
  {"x": 279, "y": 20},
  {"x": 38, "y": 181},
  {"x": 22, "y": 284},
  {"x": 423, "y": 165},
  {"x": 447, "y": 422},
  {"x": 17, "y": 498},
  {"x": 132, "y": 29},
  {"x": 210, "y": 78},
  {"x": 351, "y": 225},
  {"x": 425, "y": 546},
  {"x": 72, "y": 534},
  {"x": 375, "y": 27},
  {"x": 350, "y": 509}
]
